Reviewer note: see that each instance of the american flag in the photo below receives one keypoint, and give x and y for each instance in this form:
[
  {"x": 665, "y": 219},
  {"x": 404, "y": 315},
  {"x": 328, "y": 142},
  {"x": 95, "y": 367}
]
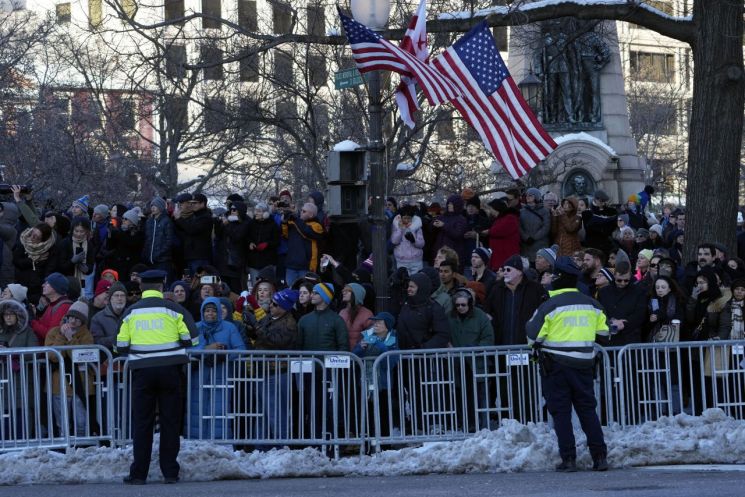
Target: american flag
[
  {"x": 372, "y": 52},
  {"x": 491, "y": 102},
  {"x": 414, "y": 42}
]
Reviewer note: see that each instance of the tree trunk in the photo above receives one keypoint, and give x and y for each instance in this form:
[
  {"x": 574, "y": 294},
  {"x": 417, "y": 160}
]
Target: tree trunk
[{"x": 716, "y": 125}]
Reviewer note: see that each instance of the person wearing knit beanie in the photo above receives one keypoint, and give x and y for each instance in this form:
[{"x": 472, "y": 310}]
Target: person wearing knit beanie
[
  {"x": 358, "y": 291},
  {"x": 17, "y": 292},
  {"x": 80, "y": 206},
  {"x": 536, "y": 193},
  {"x": 159, "y": 203},
  {"x": 325, "y": 291},
  {"x": 484, "y": 254},
  {"x": 132, "y": 216},
  {"x": 58, "y": 282},
  {"x": 467, "y": 194},
  {"x": 285, "y": 299},
  {"x": 78, "y": 310},
  {"x": 102, "y": 287},
  {"x": 117, "y": 286},
  {"x": 514, "y": 262},
  {"x": 101, "y": 210},
  {"x": 110, "y": 274},
  {"x": 285, "y": 193},
  {"x": 545, "y": 258}
]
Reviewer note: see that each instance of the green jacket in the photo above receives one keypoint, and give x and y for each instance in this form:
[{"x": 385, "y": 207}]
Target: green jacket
[
  {"x": 322, "y": 330},
  {"x": 473, "y": 331},
  {"x": 442, "y": 297}
]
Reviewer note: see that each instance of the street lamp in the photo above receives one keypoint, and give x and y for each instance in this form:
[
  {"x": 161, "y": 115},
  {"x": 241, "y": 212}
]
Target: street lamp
[
  {"x": 374, "y": 14},
  {"x": 530, "y": 87}
]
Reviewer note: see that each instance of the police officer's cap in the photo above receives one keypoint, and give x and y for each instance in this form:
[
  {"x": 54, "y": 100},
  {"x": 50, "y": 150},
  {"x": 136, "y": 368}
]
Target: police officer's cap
[
  {"x": 566, "y": 265},
  {"x": 153, "y": 276}
]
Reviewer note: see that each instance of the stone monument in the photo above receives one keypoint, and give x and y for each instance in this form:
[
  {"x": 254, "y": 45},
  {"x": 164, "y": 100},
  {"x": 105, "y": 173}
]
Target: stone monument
[{"x": 583, "y": 105}]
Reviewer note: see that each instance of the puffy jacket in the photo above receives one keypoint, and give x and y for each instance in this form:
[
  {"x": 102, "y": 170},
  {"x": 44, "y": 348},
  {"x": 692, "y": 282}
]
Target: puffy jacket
[
  {"x": 535, "y": 228},
  {"x": 65, "y": 251},
  {"x": 303, "y": 238},
  {"x": 322, "y": 330},
  {"x": 422, "y": 323},
  {"x": 277, "y": 334},
  {"x": 196, "y": 235},
  {"x": 55, "y": 338},
  {"x": 565, "y": 229},
  {"x": 51, "y": 317},
  {"x": 159, "y": 239},
  {"x": 404, "y": 250}
]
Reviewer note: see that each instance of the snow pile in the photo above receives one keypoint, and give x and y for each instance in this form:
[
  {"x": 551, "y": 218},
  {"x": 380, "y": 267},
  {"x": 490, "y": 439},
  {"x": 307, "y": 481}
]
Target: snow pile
[
  {"x": 585, "y": 137},
  {"x": 710, "y": 438},
  {"x": 346, "y": 146}
]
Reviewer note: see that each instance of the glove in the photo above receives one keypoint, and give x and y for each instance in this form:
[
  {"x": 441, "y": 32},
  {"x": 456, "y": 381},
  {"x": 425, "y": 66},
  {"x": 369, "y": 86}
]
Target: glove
[
  {"x": 259, "y": 312},
  {"x": 78, "y": 258},
  {"x": 262, "y": 246},
  {"x": 410, "y": 236}
]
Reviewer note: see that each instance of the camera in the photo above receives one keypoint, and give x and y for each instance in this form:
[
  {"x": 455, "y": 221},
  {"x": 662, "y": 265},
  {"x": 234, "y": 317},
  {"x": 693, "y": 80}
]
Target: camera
[
  {"x": 6, "y": 188},
  {"x": 209, "y": 280},
  {"x": 282, "y": 205}
]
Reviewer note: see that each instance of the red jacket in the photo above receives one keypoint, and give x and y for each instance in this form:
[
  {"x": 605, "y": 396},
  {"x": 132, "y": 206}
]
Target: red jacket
[
  {"x": 504, "y": 239},
  {"x": 51, "y": 318}
]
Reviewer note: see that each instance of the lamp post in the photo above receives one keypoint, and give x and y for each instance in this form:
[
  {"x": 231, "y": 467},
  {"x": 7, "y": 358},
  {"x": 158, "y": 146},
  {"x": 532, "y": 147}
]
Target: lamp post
[
  {"x": 530, "y": 87},
  {"x": 374, "y": 15}
]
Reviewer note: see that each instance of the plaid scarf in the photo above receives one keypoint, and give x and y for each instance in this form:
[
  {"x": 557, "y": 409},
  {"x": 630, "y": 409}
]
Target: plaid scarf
[{"x": 738, "y": 327}]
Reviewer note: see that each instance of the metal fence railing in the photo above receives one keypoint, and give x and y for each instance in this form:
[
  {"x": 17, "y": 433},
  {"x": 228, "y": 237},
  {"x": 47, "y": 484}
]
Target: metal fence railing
[{"x": 72, "y": 396}]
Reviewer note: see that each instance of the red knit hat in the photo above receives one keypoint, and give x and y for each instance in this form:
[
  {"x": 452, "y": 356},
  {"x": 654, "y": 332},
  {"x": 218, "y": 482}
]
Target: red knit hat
[{"x": 102, "y": 287}]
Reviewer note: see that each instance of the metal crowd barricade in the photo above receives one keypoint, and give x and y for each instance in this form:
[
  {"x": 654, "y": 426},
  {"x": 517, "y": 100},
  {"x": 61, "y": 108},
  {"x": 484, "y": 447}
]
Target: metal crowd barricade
[
  {"x": 275, "y": 398},
  {"x": 665, "y": 379}
]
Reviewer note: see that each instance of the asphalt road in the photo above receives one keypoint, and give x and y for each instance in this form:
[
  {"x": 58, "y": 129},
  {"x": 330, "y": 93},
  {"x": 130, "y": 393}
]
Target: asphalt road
[{"x": 662, "y": 482}]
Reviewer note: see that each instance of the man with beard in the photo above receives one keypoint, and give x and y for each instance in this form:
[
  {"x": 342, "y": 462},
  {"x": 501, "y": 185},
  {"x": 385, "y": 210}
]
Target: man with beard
[
  {"x": 592, "y": 262},
  {"x": 705, "y": 257}
]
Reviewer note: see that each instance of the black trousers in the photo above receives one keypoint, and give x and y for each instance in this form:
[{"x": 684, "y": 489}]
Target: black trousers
[
  {"x": 564, "y": 388},
  {"x": 151, "y": 387}
]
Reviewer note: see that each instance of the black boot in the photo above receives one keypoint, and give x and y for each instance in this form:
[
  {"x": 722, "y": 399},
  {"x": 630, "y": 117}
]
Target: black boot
[
  {"x": 568, "y": 465},
  {"x": 600, "y": 463}
]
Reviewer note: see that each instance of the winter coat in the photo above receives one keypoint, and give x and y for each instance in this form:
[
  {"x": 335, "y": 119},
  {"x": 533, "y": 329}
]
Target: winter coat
[
  {"x": 535, "y": 228},
  {"x": 404, "y": 251},
  {"x": 504, "y": 238},
  {"x": 354, "y": 328},
  {"x": 452, "y": 231},
  {"x": 55, "y": 338},
  {"x": 8, "y": 237},
  {"x": 375, "y": 347},
  {"x": 265, "y": 234},
  {"x": 51, "y": 318},
  {"x": 422, "y": 323},
  {"x": 65, "y": 252},
  {"x": 159, "y": 240},
  {"x": 477, "y": 222},
  {"x": 208, "y": 420},
  {"x": 717, "y": 321},
  {"x": 668, "y": 309},
  {"x": 528, "y": 296},
  {"x": 124, "y": 249},
  {"x": 629, "y": 303},
  {"x": 30, "y": 274},
  {"x": 233, "y": 238},
  {"x": 105, "y": 327},
  {"x": 277, "y": 334},
  {"x": 472, "y": 330},
  {"x": 303, "y": 239},
  {"x": 322, "y": 330},
  {"x": 599, "y": 225},
  {"x": 19, "y": 336},
  {"x": 195, "y": 232},
  {"x": 565, "y": 229}
]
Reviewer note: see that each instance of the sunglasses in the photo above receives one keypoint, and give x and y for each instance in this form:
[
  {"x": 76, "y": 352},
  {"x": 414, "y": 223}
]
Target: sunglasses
[
  {"x": 623, "y": 280},
  {"x": 508, "y": 269},
  {"x": 273, "y": 304},
  {"x": 461, "y": 305},
  {"x": 132, "y": 294}
]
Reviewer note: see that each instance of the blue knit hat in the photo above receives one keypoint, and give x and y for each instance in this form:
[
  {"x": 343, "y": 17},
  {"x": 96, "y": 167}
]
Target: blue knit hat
[
  {"x": 286, "y": 298},
  {"x": 58, "y": 282},
  {"x": 325, "y": 290},
  {"x": 358, "y": 291},
  {"x": 82, "y": 202}
]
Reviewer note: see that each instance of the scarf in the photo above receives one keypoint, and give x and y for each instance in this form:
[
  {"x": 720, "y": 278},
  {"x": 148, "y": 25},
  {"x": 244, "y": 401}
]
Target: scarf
[
  {"x": 738, "y": 327},
  {"x": 37, "y": 252},
  {"x": 83, "y": 245}
]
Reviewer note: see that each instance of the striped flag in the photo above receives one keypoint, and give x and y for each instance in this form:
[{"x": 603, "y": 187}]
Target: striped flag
[
  {"x": 372, "y": 52},
  {"x": 414, "y": 42},
  {"x": 492, "y": 104}
]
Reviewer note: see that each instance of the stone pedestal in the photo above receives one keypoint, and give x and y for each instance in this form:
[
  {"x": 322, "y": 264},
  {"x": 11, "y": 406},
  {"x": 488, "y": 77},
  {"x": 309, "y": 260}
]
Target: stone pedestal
[{"x": 605, "y": 152}]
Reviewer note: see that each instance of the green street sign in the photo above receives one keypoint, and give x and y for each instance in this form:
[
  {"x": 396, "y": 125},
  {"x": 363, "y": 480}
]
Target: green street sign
[{"x": 347, "y": 78}]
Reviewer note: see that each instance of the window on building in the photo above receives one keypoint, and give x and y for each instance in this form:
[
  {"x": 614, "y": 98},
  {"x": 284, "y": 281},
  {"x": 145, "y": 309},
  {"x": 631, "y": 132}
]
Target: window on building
[
  {"x": 282, "y": 68},
  {"x": 281, "y": 17},
  {"x": 124, "y": 113},
  {"x": 500, "y": 36},
  {"x": 85, "y": 113},
  {"x": 215, "y": 115},
  {"x": 249, "y": 68},
  {"x": 64, "y": 13},
  {"x": 662, "y": 117},
  {"x": 657, "y": 67},
  {"x": 211, "y": 54},
  {"x": 318, "y": 74},
  {"x": 316, "y": 20},
  {"x": 174, "y": 10},
  {"x": 60, "y": 109},
  {"x": 247, "y": 18},
  {"x": 250, "y": 111},
  {"x": 177, "y": 112},
  {"x": 175, "y": 59},
  {"x": 287, "y": 111},
  {"x": 95, "y": 13},
  {"x": 212, "y": 8},
  {"x": 444, "y": 128}
]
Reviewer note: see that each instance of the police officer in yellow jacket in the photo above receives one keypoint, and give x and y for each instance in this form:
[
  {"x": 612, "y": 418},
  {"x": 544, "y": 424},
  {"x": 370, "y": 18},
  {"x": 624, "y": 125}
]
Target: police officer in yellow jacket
[
  {"x": 154, "y": 335},
  {"x": 563, "y": 330}
]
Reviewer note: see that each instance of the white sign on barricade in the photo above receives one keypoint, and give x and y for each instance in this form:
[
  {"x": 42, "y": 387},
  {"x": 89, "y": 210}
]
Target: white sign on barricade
[
  {"x": 336, "y": 361},
  {"x": 85, "y": 355},
  {"x": 301, "y": 366},
  {"x": 518, "y": 359}
]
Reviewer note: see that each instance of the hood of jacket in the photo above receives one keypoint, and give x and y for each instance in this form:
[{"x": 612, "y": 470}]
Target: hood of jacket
[
  {"x": 416, "y": 223},
  {"x": 424, "y": 288},
  {"x": 18, "y": 309},
  {"x": 574, "y": 203},
  {"x": 457, "y": 202},
  {"x": 216, "y": 302},
  {"x": 318, "y": 199}
]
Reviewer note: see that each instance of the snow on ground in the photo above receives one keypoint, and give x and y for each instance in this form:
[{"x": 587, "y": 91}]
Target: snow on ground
[{"x": 710, "y": 439}]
